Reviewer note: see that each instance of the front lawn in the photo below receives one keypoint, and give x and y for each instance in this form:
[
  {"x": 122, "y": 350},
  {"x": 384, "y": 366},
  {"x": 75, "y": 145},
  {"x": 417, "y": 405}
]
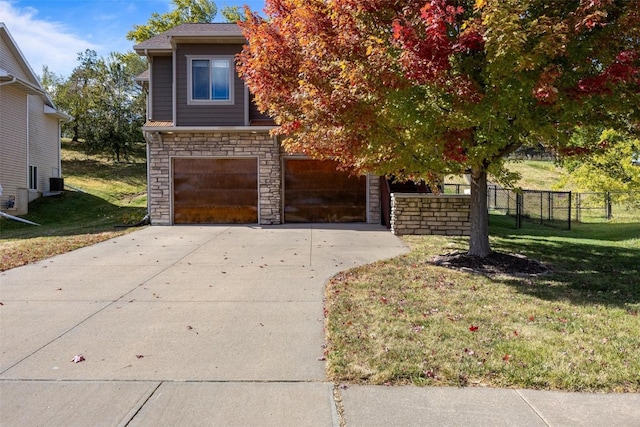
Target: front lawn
[{"x": 406, "y": 321}]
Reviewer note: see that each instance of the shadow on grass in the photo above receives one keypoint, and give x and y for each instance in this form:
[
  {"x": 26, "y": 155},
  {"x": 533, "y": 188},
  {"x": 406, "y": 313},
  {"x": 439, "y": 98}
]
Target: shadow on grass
[
  {"x": 592, "y": 264},
  {"x": 71, "y": 213}
]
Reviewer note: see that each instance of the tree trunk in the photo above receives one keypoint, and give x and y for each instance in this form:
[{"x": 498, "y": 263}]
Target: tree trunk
[{"x": 479, "y": 236}]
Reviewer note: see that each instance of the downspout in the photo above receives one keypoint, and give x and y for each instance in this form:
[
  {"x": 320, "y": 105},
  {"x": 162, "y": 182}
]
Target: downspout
[
  {"x": 174, "y": 89},
  {"x": 60, "y": 149},
  {"x": 148, "y": 178},
  {"x": 28, "y": 133}
]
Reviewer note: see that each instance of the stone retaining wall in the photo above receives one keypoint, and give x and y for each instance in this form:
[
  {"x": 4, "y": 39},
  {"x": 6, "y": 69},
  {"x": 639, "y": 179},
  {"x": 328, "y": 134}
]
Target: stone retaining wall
[{"x": 430, "y": 214}]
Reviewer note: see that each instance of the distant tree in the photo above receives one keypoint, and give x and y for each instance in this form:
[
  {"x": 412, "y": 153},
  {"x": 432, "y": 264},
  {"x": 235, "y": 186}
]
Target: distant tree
[
  {"x": 185, "y": 11},
  {"x": 118, "y": 114},
  {"x": 77, "y": 94},
  {"x": 233, "y": 14},
  {"x": 609, "y": 168},
  {"x": 422, "y": 89},
  {"x": 50, "y": 81},
  {"x": 107, "y": 106}
]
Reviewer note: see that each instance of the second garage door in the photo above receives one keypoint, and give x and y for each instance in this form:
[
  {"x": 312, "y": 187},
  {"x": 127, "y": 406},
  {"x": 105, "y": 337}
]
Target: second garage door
[
  {"x": 215, "y": 191},
  {"x": 315, "y": 191}
]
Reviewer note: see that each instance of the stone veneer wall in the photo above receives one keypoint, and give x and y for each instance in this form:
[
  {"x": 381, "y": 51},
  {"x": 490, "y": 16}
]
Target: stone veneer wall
[
  {"x": 374, "y": 200},
  {"x": 430, "y": 214},
  {"x": 162, "y": 148}
]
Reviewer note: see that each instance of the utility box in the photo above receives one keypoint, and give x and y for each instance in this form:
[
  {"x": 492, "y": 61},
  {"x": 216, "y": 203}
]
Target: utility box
[{"x": 56, "y": 184}]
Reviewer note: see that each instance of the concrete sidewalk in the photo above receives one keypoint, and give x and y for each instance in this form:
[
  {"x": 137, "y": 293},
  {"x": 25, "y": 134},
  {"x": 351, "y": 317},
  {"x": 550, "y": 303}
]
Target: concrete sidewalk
[{"x": 220, "y": 326}]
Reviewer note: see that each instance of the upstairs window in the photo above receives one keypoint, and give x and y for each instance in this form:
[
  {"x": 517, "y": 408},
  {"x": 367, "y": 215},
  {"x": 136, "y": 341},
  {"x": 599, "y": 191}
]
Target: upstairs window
[{"x": 210, "y": 80}]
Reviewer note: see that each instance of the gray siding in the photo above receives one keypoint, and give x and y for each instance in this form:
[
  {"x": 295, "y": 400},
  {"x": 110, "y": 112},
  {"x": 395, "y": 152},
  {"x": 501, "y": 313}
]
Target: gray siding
[
  {"x": 161, "y": 86},
  {"x": 207, "y": 115}
]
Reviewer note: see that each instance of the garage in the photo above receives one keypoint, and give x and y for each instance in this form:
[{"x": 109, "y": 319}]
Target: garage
[
  {"x": 315, "y": 191},
  {"x": 215, "y": 190}
]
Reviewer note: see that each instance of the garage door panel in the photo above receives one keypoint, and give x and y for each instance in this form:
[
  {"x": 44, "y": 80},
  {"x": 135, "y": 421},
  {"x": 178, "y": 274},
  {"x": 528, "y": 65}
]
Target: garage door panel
[
  {"x": 315, "y": 191},
  {"x": 215, "y": 191},
  {"x": 220, "y": 198},
  {"x": 215, "y": 215},
  {"x": 328, "y": 197}
]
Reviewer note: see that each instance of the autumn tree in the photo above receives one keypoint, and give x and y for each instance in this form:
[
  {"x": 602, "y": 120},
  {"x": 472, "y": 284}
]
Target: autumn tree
[
  {"x": 185, "y": 11},
  {"x": 423, "y": 89}
]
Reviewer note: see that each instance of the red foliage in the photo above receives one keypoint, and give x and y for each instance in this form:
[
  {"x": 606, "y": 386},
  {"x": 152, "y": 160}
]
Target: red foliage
[{"x": 623, "y": 71}]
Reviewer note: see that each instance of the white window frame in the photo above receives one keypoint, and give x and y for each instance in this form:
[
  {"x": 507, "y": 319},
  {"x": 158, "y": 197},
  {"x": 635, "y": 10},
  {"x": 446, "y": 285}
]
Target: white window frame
[{"x": 190, "y": 100}]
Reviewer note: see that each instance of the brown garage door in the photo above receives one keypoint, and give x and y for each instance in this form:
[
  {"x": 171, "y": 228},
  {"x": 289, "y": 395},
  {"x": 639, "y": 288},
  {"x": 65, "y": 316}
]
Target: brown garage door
[
  {"x": 215, "y": 191},
  {"x": 315, "y": 191}
]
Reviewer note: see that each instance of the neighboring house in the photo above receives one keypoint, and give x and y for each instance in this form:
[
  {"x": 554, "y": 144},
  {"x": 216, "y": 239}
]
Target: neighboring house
[
  {"x": 211, "y": 158},
  {"x": 29, "y": 132}
]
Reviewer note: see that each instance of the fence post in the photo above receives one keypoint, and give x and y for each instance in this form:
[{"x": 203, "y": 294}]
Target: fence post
[
  {"x": 607, "y": 198},
  {"x": 569, "y": 219},
  {"x": 518, "y": 210}
]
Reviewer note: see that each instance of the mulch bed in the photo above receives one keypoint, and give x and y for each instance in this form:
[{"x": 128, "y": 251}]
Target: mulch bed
[{"x": 495, "y": 264}]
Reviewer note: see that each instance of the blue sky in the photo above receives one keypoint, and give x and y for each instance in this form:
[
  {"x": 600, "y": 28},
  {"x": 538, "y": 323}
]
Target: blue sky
[{"x": 52, "y": 32}]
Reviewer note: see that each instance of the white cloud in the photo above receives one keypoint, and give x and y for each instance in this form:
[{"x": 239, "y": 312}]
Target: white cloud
[{"x": 43, "y": 42}]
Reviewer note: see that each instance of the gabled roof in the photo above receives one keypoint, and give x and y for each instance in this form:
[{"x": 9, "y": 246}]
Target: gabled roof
[
  {"x": 28, "y": 81},
  {"x": 191, "y": 33}
]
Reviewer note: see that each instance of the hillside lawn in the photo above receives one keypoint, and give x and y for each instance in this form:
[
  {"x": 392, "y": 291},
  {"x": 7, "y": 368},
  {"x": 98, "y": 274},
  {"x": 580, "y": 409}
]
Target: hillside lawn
[
  {"x": 101, "y": 194},
  {"x": 404, "y": 320}
]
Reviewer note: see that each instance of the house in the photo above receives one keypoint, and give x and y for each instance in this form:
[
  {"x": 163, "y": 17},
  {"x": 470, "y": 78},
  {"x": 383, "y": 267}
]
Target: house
[
  {"x": 29, "y": 132},
  {"x": 211, "y": 158}
]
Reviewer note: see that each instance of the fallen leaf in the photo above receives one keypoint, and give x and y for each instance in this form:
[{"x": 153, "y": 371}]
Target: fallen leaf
[
  {"x": 506, "y": 357},
  {"x": 473, "y": 328},
  {"x": 515, "y": 333},
  {"x": 384, "y": 300},
  {"x": 78, "y": 358}
]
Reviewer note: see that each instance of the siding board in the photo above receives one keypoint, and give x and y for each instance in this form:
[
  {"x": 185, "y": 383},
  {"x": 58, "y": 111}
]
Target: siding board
[
  {"x": 162, "y": 84},
  {"x": 13, "y": 141}
]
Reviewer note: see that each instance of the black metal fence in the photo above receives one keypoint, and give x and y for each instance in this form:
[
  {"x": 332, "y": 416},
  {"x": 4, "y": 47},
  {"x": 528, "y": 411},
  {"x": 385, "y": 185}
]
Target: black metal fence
[
  {"x": 593, "y": 206},
  {"x": 551, "y": 208}
]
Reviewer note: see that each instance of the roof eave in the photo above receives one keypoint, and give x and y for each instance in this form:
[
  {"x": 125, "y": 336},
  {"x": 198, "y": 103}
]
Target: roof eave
[{"x": 203, "y": 129}]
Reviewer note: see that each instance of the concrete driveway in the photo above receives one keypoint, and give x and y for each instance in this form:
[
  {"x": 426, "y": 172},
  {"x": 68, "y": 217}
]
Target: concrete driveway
[{"x": 184, "y": 325}]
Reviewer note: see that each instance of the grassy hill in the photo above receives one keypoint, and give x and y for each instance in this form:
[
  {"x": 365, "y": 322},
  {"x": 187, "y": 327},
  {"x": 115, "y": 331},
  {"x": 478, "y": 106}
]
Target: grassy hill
[{"x": 101, "y": 194}]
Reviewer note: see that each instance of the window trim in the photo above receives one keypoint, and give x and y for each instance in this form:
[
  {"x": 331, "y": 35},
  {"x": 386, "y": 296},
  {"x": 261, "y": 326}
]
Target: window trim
[{"x": 190, "y": 100}]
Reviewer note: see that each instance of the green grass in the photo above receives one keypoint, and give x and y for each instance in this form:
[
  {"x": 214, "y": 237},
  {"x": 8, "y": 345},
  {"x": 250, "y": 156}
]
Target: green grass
[
  {"x": 535, "y": 175},
  {"x": 406, "y": 321},
  {"x": 108, "y": 194}
]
